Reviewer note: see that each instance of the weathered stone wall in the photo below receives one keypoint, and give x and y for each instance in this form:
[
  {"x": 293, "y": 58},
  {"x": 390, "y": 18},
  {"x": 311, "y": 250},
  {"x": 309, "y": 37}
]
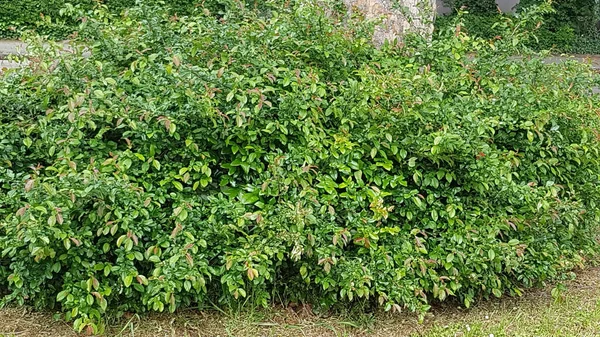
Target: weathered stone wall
[{"x": 398, "y": 17}]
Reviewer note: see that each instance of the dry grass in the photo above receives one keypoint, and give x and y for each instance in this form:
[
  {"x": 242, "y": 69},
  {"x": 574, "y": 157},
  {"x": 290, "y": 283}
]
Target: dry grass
[{"x": 535, "y": 314}]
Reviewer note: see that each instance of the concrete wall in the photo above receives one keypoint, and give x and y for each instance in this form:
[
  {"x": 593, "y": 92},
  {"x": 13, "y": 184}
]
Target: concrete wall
[{"x": 505, "y": 6}]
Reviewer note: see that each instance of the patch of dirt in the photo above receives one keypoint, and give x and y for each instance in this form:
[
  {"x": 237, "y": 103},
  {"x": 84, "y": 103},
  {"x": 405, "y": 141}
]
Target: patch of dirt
[
  {"x": 300, "y": 322},
  {"x": 25, "y": 322}
]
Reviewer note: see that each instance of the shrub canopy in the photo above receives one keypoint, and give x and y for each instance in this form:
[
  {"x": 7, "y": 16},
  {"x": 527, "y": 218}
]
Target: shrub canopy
[
  {"x": 573, "y": 26},
  {"x": 273, "y": 154},
  {"x": 54, "y": 17}
]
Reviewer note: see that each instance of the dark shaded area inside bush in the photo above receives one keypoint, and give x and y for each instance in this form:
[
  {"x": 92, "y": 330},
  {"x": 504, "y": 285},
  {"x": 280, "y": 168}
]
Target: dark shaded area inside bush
[{"x": 273, "y": 155}]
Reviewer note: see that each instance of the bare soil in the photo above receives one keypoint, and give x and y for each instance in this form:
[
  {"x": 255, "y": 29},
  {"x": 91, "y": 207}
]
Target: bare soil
[{"x": 511, "y": 314}]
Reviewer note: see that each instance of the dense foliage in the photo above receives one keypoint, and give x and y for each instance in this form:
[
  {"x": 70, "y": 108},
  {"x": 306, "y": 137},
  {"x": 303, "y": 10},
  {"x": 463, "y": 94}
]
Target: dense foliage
[
  {"x": 474, "y": 6},
  {"x": 15, "y": 15},
  {"x": 573, "y": 26},
  {"x": 483, "y": 26},
  {"x": 47, "y": 16},
  {"x": 273, "y": 154}
]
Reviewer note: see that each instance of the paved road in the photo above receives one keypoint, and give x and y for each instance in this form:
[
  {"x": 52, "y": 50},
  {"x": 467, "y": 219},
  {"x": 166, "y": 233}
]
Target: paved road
[
  {"x": 11, "y": 47},
  {"x": 594, "y": 60},
  {"x": 8, "y": 64}
]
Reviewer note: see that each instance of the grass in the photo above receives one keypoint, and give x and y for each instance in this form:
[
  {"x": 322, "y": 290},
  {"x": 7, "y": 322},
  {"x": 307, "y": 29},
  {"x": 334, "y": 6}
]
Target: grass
[{"x": 575, "y": 313}]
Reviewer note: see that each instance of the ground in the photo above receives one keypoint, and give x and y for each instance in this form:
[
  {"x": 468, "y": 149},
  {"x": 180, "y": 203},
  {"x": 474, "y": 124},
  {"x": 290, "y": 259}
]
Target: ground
[{"x": 575, "y": 313}]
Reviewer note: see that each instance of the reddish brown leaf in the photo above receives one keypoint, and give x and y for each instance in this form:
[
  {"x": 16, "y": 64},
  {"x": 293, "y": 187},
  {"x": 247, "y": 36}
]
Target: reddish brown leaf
[
  {"x": 76, "y": 242},
  {"x": 176, "y": 230},
  {"x": 22, "y": 211},
  {"x": 29, "y": 185}
]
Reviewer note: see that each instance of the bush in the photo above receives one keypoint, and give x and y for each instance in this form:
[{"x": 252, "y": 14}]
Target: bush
[
  {"x": 474, "y": 6},
  {"x": 475, "y": 25},
  {"x": 17, "y": 15},
  {"x": 570, "y": 28},
  {"x": 580, "y": 15},
  {"x": 46, "y": 18},
  {"x": 586, "y": 44},
  {"x": 273, "y": 154},
  {"x": 559, "y": 40}
]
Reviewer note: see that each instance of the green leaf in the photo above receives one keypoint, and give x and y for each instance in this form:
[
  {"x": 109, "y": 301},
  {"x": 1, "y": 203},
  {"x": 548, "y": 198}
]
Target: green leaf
[
  {"x": 156, "y": 164},
  {"x": 303, "y": 271},
  {"x": 373, "y": 152},
  {"x": 451, "y": 211},
  {"x": 127, "y": 279},
  {"x": 183, "y": 215},
  {"x": 204, "y": 182},
  {"x": 103, "y": 304},
  {"x": 177, "y": 185},
  {"x": 249, "y": 198},
  {"x": 491, "y": 254},
  {"x": 230, "y": 96},
  {"x": 126, "y": 163},
  {"x": 61, "y": 295},
  {"x": 434, "y": 215},
  {"x": 120, "y": 240}
]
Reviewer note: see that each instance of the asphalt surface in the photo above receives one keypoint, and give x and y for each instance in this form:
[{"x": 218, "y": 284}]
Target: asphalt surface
[{"x": 11, "y": 47}]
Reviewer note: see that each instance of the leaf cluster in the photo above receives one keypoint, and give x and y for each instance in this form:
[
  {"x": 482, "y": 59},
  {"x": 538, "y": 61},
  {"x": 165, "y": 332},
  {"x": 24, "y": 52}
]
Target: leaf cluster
[{"x": 272, "y": 154}]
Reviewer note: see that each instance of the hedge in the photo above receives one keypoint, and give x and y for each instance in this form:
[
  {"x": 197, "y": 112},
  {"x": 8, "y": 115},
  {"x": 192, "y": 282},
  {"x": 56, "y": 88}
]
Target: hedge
[
  {"x": 271, "y": 154},
  {"x": 45, "y": 16},
  {"x": 572, "y": 27}
]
